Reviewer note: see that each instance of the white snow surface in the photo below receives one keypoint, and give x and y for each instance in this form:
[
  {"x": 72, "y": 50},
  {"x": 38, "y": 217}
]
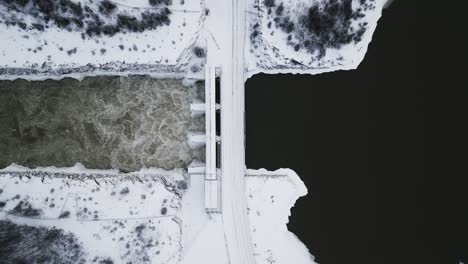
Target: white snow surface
[
  {"x": 271, "y": 53},
  {"x": 203, "y": 234},
  {"x": 51, "y": 52},
  {"x": 101, "y": 209},
  {"x": 101, "y": 212},
  {"x": 270, "y": 196},
  {"x": 168, "y": 49}
]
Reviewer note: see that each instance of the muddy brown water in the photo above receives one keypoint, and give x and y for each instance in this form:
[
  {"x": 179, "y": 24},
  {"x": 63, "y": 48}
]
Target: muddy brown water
[{"x": 124, "y": 123}]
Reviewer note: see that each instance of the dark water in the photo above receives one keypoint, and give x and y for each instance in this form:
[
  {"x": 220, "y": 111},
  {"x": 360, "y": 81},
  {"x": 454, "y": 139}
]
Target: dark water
[
  {"x": 103, "y": 122},
  {"x": 382, "y": 150}
]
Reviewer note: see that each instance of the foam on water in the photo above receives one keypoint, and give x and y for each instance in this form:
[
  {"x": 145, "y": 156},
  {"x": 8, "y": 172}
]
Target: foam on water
[{"x": 102, "y": 122}]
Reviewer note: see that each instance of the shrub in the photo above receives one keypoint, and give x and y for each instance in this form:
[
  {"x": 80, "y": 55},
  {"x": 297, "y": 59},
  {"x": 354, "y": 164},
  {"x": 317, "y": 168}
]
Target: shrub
[
  {"x": 106, "y": 261},
  {"x": 97, "y": 20},
  {"x": 88, "y": 9},
  {"x": 61, "y": 22},
  {"x": 287, "y": 25},
  {"x": 160, "y": 2},
  {"x": 182, "y": 185},
  {"x": 199, "y": 52},
  {"x": 269, "y": 3},
  {"x": 129, "y": 22},
  {"x": 107, "y": 7},
  {"x": 195, "y": 68},
  {"x": 65, "y": 214},
  {"x": 279, "y": 10},
  {"x": 93, "y": 29},
  {"x": 154, "y": 20},
  {"x": 110, "y": 30},
  {"x": 76, "y": 9},
  {"x": 72, "y": 51},
  {"x": 20, "y": 3},
  {"x": 47, "y": 7},
  {"x": 254, "y": 34},
  {"x": 164, "y": 211},
  {"x": 22, "y": 25},
  {"x": 79, "y": 23},
  {"x": 125, "y": 191},
  {"x": 24, "y": 208}
]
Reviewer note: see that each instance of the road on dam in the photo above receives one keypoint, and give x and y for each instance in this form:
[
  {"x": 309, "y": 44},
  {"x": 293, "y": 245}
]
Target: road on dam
[{"x": 226, "y": 29}]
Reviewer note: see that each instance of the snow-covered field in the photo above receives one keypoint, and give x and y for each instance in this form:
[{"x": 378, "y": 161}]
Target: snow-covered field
[
  {"x": 55, "y": 51},
  {"x": 311, "y": 37},
  {"x": 150, "y": 216},
  {"x": 280, "y": 38},
  {"x": 133, "y": 215}
]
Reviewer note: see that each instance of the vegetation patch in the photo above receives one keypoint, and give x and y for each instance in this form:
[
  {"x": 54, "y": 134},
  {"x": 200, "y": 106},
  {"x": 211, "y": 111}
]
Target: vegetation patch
[
  {"x": 101, "y": 18},
  {"x": 319, "y": 26},
  {"x": 29, "y": 244},
  {"x": 199, "y": 52},
  {"x": 24, "y": 208}
]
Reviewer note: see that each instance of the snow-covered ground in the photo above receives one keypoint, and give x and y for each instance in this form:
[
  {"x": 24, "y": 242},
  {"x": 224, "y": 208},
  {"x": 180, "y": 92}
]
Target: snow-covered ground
[
  {"x": 203, "y": 238},
  {"x": 279, "y": 39},
  {"x": 150, "y": 216},
  {"x": 133, "y": 215},
  {"x": 270, "y": 196},
  {"x": 56, "y": 51},
  {"x": 310, "y": 37}
]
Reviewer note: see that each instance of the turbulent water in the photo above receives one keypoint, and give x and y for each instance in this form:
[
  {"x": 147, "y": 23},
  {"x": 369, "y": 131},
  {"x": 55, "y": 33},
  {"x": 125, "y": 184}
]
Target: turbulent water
[{"x": 102, "y": 122}]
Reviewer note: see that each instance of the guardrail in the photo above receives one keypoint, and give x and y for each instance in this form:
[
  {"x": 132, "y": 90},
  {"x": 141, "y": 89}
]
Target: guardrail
[{"x": 213, "y": 148}]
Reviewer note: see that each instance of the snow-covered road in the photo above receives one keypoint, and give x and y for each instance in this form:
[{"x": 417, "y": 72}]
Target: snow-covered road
[{"x": 226, "y": 51}]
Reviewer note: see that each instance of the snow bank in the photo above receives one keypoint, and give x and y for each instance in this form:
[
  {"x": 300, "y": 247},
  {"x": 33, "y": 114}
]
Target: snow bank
[{"x": 270, "y": 196}]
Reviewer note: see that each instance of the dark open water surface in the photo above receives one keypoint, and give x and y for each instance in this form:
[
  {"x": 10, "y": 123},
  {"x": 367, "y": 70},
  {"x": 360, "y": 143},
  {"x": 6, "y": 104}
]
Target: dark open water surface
[{"x": 382, "y": 150}]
